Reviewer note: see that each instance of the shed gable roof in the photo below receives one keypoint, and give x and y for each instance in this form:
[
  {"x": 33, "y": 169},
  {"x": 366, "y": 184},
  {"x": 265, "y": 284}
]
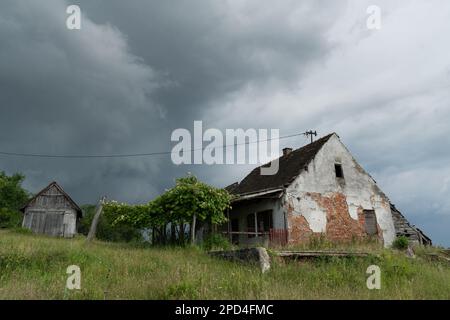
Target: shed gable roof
[
  {"x": 60, "y": 189},
  {"x": 290, "y": 166}
]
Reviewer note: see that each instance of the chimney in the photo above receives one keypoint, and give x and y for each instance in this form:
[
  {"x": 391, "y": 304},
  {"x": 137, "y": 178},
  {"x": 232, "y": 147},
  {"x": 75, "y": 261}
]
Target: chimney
[{"x": 286, "y": 151}]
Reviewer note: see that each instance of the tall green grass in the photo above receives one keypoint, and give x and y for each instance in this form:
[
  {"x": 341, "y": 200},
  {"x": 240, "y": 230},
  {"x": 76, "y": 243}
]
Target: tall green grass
[{"x": 34, "y": 267}]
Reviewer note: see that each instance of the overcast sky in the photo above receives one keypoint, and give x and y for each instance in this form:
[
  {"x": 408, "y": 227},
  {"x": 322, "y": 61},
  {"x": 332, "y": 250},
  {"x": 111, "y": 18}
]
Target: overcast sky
[{"x": 138, "y": 70}]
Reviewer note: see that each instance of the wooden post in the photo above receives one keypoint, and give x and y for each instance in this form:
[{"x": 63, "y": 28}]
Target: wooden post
[
  {"x": 173, "y": 236},
  {"x": 182, "y": 233},
  {"x": 164, "y": 232},
  {"x": 194, "y": 220},
  {"x": 256, "y": 224},
  {"x": 230, "y": 237},
  {"x": 93, "y": 229}
]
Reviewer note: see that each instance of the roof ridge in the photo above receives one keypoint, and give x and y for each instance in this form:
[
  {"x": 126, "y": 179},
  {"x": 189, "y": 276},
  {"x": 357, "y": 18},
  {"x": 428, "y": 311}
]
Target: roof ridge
[
  {"x": 302, "y": 148},
  {"x": 290, "y": 164}
]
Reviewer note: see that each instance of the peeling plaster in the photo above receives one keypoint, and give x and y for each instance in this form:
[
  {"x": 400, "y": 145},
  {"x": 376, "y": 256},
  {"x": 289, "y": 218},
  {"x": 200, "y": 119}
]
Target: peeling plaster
[
  {"x": 307, "y": 207},
  {"x": 353, "y": 210}
]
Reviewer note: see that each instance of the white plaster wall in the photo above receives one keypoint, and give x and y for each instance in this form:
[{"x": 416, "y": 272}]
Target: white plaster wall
[{"x": 359, "y": 188}]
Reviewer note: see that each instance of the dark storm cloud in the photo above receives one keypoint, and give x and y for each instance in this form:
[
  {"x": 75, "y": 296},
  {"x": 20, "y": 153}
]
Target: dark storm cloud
[
  {"x": 211, "y": 48},
  {"x": 72, "y": 92},
  {"x": 136, "y": 71}
]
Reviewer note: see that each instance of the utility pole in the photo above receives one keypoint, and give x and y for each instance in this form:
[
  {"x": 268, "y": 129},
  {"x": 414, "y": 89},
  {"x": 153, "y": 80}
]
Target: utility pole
[
  {"x": 93, "y": 229},
  {"x": 311, "y": 133}
]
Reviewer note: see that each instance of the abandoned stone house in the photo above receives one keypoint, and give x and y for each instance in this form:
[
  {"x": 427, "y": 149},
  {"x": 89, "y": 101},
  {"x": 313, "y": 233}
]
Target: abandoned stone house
[
  {"x": 52, "y": 212},
  {"x": 319, "y": 191}
]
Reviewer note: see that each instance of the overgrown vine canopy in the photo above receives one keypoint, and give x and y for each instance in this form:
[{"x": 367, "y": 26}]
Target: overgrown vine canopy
[{"x": 177, "y": 205}]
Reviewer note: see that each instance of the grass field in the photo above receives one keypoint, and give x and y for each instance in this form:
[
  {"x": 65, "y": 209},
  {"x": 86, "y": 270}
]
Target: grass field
[{"x": 34, "y": 267}]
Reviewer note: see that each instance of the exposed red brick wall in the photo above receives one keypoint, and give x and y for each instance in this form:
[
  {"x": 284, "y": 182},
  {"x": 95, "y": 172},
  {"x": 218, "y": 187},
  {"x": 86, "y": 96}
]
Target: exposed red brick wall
[
  {"x": 341, "y": 227},
  {"x": 299, "y": 230}
]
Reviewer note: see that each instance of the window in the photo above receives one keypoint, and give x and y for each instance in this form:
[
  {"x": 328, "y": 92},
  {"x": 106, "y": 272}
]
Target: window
[
  {"x": 263, "y": 220},
  {"x": 338, "y": 170}
]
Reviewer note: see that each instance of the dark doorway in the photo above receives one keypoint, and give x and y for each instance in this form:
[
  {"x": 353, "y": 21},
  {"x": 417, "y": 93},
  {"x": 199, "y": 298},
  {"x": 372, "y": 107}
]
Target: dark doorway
[
  {"x": 371, "y": 222},
  {"x": 265, "y": 221}
]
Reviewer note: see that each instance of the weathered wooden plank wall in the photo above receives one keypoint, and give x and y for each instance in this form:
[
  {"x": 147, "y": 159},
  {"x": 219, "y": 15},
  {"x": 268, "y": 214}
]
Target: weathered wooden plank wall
[{"x": 51, "y": 213}]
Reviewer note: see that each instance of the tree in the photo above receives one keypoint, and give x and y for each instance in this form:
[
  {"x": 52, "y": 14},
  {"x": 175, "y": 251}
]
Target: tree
[
  {"x": 12, "y": 198},
  {"x": 193, "y": 200},
  {"x": 189, "y": 202}
]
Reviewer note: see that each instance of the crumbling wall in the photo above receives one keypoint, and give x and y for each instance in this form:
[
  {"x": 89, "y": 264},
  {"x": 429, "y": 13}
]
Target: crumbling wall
[
  {"x": 404, "y": 228},
  {"x": 320, "y": 204}
]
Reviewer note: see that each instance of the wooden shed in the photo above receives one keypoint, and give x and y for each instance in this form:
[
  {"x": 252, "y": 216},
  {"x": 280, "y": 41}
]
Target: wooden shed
[{"x": 53, "y": 212}]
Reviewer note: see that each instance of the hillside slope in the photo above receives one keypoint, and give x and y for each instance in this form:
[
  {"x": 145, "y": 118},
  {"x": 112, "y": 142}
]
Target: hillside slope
[{"x": 34, "y": 267}]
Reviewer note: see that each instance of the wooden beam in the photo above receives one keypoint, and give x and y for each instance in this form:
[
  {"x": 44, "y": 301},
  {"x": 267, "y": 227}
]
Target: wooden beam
[
  {"x": 245, "y": 232},
  {"x": 316, "y": 254}
]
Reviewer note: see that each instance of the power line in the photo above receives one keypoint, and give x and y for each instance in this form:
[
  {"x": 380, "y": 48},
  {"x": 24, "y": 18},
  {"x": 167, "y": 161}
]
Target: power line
[
  {"x": 310, "y": 133},
  {"x": 131, "y": 155}
]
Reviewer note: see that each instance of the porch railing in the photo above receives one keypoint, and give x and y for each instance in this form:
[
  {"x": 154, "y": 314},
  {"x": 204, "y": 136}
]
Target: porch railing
[{"x": 277, "y": 237}]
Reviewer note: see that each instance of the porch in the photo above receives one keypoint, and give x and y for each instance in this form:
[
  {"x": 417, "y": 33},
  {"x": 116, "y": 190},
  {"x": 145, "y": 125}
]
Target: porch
[{"x": 257, "y": 220}]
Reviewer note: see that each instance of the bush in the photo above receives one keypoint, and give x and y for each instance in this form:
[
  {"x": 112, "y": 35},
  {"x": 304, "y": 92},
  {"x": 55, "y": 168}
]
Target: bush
[
  {"x": 10, "y": 218},
  {"x": 216, "y": 241},
  {"x": 188, "y": 201},
  {"x": 12, "y": 197},
  {"x": 400, "y": 243}
]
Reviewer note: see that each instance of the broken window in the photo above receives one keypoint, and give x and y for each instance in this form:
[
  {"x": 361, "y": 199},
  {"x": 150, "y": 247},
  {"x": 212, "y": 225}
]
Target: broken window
[
  {"x": 371, "y": 222},
  {"x": 338, "y": 170},
  {"x": 263, "y": 221}
]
